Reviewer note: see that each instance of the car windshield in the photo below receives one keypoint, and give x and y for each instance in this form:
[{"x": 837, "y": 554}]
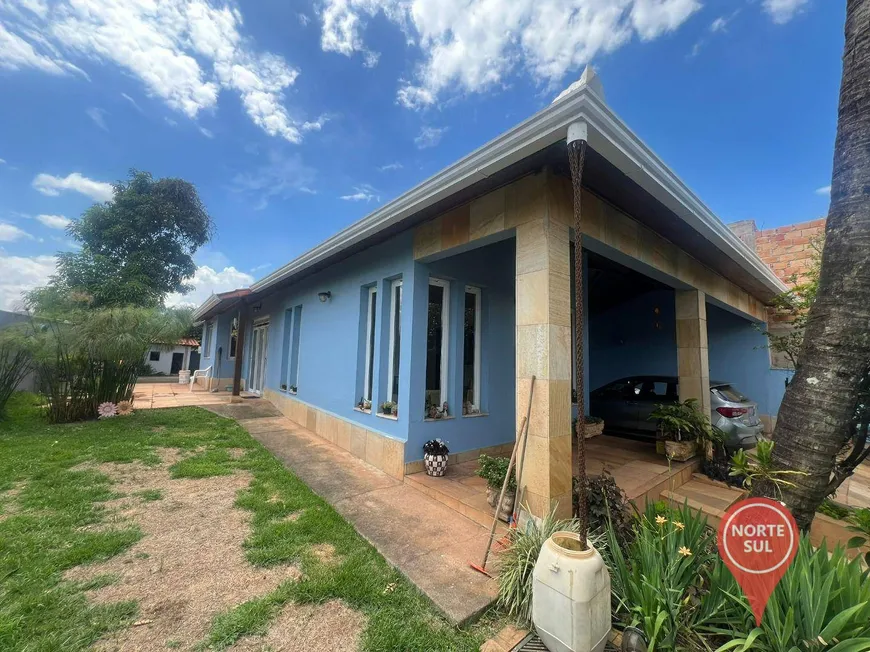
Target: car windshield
[{"x": 731, "y": 393}]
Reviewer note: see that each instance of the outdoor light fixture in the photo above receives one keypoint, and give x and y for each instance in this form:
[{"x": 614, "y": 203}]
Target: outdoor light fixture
[
  {"x": 257, "y": 308},
  {"x": 324, "y": 296}
]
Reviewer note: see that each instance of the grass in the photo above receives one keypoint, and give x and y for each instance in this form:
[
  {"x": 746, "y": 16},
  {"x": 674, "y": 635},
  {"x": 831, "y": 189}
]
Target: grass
[{"x": 42, "y": 535}]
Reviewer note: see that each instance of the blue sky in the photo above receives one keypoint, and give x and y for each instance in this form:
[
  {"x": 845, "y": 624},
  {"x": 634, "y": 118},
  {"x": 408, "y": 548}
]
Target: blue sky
[{"x": 295, "y": 118}]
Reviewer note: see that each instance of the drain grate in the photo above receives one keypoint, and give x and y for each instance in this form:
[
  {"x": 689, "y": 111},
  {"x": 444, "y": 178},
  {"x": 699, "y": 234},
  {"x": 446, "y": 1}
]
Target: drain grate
[{"x": 530, "y": 643}]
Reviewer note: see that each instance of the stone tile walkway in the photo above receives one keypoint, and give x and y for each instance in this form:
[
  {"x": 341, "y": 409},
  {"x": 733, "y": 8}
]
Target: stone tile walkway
[
  {"x": 163, "y": 395},
  {"x": 426, "y": 540}
]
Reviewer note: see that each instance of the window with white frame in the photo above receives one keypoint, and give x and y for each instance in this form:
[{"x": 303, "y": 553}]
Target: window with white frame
[
  {"x": 437, "y": 342},
  {"x": 207, "y": 340},
  {"x": 369, "y": 369},
  {"x": 395, "y": 340},
  {"x": 234, "y": 338},
  {"x": 471, "y": 352}
]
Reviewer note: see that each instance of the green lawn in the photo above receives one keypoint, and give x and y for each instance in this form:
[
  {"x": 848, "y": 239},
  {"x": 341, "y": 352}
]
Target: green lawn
[{"x": 42, "y": 535}]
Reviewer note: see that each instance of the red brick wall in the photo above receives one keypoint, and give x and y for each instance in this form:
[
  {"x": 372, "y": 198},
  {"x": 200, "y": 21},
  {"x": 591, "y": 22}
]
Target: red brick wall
[{"x": 787, "y": 249}]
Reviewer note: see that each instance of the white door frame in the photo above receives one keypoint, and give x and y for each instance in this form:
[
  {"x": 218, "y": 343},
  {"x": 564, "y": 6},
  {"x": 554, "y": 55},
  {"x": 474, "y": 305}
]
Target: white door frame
[{"x": 257, "y": 369}]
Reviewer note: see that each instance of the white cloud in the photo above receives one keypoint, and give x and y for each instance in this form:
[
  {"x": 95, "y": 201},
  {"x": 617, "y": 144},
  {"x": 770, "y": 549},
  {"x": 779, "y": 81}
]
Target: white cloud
[
  {"x": 363, "y": 192},
  {"x": 280, "y": 178},
  {"x": 429, "y": 137},
  {"x": 303, "y": 19},
  {"x": 54, "y": 221},
  {"x": 11, "y": 233},
  {"x": 2, "y": 161},
  {"x": 53, "y": 186},
  {"x": 782, "y": 11},
  {"x": 472, "y": 45},
  {"x": 206, "y": 132},
  {"x": 98, "y": 116},
  {"x": 184, "y": 51},
  {"x": 390, "y": 166},
  {"x": 16, "y": 53},
  {"x": 824, "y": 190},
  {"x": 132, "y": 101},
  {"x": 21, "y": 274},
  {"x": 719, "y": 24},
  {"x": 207, "y": 281}
]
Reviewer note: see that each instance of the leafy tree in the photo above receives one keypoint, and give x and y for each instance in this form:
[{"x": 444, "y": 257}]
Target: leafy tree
[
  {"x": 136, "y": 248},
  {"x": 794, "y": 306},
  {"x": 817, "y": 422}
]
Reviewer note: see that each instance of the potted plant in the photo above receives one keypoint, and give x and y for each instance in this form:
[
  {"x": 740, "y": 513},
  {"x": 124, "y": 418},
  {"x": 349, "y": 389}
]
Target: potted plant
[
  {"x": 364, "y": 404},
  {"x": 293, "y": 388},
  {"x": 594, "y": 426},
  {"x": 677, "y": 425},
  {"x": 388, "y": 407},
  {"x": 283, "y": 387},
  {"x": 494, "y": 470},
  {"x": 435, "y": 457}
]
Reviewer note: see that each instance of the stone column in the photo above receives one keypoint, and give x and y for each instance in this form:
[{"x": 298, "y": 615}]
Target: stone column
[
  {"x": 693, "y": 361},
  {"x": 543, "y": 350}
]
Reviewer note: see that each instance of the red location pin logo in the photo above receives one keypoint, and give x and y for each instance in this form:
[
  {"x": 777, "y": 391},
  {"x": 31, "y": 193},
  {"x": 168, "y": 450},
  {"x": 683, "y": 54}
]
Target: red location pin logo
[{"x": 758, "y": 539}]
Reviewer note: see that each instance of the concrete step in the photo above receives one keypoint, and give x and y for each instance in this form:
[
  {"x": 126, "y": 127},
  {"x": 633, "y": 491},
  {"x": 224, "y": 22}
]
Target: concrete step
[
  {"x": 468, "y": 502},
  {"x": 712, "y": 500}
]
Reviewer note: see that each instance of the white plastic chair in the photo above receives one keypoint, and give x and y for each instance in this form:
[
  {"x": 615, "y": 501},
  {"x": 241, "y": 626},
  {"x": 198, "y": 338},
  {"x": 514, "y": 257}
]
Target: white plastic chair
[{"x": 199, "y": 373}]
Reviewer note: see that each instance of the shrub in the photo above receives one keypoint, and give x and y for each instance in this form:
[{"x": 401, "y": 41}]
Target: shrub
[
  {"x": 821, "y": 603},
  {"x": 85, "y": 358},
  {"x": 605, "y": 501},
  {"x": 655, "y": 579},
  {"x": 15, "y": 363},
  {"x": 860, "y": 523},
  {"x": 494, "y": 470},
  {"x": 834, "y": 510}
]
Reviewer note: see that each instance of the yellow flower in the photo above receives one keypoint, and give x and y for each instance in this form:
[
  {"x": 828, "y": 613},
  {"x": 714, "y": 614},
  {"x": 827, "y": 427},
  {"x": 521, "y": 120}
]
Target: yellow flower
[
  {"x": 679, "y": 525},
  {"x": 661, "y": 520},
  {"x": 685, "y": 552}
]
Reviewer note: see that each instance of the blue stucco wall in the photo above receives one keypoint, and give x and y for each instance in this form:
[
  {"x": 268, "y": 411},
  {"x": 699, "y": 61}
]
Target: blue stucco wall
[
  {"x": 491, "y": 268},
  {"x": 738, "y": 355},
  {"x": 222, "y": 366},
  {"x": 329, "y": 337},
  {"x": 631, "y": 339}
]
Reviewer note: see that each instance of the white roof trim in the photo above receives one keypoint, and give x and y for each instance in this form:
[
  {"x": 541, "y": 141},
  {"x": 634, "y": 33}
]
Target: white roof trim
[
  {"x": 207, "y": 305},
  {"x": 608, "y": 135}
]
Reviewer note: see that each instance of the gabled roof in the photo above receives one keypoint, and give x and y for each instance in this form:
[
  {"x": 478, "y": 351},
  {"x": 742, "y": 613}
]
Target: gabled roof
[
  {"x": 218, "y": 303},
  {"x": 611, "y": 142}
]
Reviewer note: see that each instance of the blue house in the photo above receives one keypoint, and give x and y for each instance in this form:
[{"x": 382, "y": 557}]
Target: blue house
[{"x": 429, "y": 317}]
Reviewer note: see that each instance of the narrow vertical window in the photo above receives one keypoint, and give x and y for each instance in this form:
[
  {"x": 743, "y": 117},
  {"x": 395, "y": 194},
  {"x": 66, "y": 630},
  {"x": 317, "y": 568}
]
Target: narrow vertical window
[
  {"x": 437, "y": 338},
  {"x": 395, "y": 340},
  {"x": 207, "y": 339},
  {"x": 370, "y": 343},
  {"x": 234, "y": 338},
  {"x": 471, "y": 352},
  {"x": 293, "y": 376},
  {"x": 286, "y": 344}
]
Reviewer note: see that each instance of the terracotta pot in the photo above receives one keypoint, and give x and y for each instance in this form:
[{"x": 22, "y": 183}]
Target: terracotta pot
[
  {"x": 594, "y": 429},
  {"x": 680, "y": 451}
]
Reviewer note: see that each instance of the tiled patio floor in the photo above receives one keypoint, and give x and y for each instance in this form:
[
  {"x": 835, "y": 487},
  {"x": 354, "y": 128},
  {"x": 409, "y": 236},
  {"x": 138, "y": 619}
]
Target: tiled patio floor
[
  {"x": 163, "y": 395},
  {"x": 636, "y": 467},
  {"x": 855, "y": 491}
]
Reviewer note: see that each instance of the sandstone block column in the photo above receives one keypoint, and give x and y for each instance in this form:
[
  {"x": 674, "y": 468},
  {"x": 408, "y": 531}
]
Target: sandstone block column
[
  {"x": 543, "y": 350},
  {"x": 693, "y": 361}
]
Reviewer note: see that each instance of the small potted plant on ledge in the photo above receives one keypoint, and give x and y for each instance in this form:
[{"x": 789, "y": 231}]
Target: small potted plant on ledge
[
  {"x": 435, "y": 457},
  {"x": 283, "y": 387},
  {"x": 388, "y": 408},
  {"x": 494, "y": 470},
  {"x": 293, "y": 388},
  {"x": 364, "y": 404}
]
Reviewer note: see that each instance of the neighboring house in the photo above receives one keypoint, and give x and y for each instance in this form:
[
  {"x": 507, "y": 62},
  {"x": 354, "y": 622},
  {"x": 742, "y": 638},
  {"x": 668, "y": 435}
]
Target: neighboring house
[
  {"x": 7, "y": 318},
  {"x": 788, "y": 251},
  {"x": 171, "y": 357},
  {"x": 461, "y": 290}
]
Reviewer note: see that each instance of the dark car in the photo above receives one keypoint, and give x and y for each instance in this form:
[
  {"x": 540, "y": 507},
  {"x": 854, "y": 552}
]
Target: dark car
[{"x": 626, "y": 405}]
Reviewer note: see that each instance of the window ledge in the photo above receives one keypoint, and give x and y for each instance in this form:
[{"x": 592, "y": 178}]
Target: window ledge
[
  {"x": 475, "y": 415},
  {"x": 359, "y": 409},
  {"x": 391, "y": 417},
  {"x": 447, "y": 418}
]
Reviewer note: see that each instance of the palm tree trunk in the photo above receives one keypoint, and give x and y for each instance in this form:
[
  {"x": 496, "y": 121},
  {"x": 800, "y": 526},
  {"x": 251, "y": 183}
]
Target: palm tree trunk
[{"x": 820, "y": 402}]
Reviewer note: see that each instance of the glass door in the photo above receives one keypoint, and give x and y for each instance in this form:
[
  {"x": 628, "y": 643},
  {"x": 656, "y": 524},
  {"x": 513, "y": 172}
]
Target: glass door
[{"x": 257, "y": 372}]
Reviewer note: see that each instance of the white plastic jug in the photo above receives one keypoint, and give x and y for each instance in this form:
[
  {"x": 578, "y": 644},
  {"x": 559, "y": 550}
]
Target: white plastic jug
[{"x": 571, "y": 596}]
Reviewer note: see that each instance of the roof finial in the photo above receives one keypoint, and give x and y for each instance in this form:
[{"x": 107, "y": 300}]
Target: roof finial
[{"x": 589, "y": 80}]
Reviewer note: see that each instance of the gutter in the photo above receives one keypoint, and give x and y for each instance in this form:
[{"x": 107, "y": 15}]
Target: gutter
[{"x": 608, "y": 135}]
